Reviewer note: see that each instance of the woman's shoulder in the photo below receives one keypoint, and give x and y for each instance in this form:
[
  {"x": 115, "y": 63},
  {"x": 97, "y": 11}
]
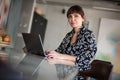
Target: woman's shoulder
[
  {"x": 85, "y": 31},
  {"x": 70, "y": 32},
  {"x": 88, "y": 32}
]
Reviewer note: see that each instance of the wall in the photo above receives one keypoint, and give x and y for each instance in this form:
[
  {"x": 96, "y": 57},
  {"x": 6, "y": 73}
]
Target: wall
[
  {"x": 58, "y": 26},
  {"x": 13, "y": 20},
  {"x": 94, "y": 17},
  {"x": 19, "y": 21}
]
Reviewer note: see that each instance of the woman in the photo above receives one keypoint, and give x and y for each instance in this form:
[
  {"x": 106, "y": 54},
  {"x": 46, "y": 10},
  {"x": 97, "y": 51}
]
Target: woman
[{"x": 78, "y": 47}]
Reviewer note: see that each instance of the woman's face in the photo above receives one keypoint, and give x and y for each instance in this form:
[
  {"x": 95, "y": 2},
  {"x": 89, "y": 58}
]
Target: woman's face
[{"x": 75, "y": 20}]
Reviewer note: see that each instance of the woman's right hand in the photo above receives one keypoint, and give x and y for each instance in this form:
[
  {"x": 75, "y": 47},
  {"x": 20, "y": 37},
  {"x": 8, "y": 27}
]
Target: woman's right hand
[{"x": 53, "y": 54}]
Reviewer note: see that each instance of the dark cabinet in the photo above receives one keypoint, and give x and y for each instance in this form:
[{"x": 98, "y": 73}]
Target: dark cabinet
[{"x": 39, "y": 24}]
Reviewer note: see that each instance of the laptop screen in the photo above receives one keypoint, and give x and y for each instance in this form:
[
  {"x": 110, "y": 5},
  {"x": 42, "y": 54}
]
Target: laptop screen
[{"x": 33, "y": 43}]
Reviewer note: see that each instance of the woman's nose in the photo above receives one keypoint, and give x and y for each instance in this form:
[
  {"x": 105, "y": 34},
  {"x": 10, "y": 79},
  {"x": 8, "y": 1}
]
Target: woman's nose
[{"x": 72, "y": 19}]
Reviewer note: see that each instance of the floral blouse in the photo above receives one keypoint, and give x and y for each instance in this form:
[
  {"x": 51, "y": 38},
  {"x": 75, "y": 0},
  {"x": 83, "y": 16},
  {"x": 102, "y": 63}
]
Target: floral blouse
[{"x": 84, "y": 49}]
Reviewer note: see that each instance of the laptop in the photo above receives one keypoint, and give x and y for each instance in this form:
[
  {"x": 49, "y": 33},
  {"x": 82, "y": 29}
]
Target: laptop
[
  {"x": 31, "y": 62},
  {"x": 33, "y": 44}
]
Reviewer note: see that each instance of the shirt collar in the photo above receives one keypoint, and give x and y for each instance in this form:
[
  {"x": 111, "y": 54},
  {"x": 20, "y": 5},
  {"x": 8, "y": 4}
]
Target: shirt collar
[{"x": 80, "y": 29}]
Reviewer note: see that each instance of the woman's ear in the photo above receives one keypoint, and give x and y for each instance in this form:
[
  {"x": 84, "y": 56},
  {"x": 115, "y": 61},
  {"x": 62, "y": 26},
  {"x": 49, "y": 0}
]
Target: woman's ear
[{"x": 84, "y": 18}]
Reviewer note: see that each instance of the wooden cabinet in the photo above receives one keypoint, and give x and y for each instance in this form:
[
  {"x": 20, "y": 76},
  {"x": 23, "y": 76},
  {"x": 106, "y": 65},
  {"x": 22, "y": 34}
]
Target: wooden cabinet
[{"x": 39, "y": 24}]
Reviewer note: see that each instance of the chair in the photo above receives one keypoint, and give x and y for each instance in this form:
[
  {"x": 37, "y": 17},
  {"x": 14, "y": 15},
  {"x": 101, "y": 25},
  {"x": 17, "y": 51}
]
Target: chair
[{"x": 100, "y": 70}]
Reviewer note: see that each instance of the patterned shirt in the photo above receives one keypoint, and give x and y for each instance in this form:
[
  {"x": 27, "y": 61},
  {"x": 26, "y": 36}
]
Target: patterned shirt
[{"x": 83, "y": 49}]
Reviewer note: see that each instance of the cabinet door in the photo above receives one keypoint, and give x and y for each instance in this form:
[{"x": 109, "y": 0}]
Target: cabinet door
[{"x": 39, "y": 25}]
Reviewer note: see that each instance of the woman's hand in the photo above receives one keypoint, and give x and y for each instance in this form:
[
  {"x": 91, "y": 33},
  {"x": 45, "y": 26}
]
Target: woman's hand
[
  {"x": 54, "y": 57},
  {"x": 59, "y": 61},
  {"x": 53, "y": 54},
  {"x": 54, "y": 61}
]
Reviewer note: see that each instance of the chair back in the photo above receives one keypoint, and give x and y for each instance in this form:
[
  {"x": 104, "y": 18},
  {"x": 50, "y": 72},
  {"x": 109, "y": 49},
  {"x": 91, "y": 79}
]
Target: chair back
[{"x": 100, "y": 70}]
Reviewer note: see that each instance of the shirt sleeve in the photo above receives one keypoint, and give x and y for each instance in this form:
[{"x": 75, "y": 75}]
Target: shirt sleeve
[
  {"x": 62, "y": 45},
  {"x": 60, "y": 48},
  {"x": 87, "y": 50}
]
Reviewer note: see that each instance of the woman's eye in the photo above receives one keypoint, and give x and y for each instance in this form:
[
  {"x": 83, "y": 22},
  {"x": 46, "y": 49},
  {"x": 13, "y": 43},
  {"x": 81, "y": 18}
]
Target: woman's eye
[
  {"x": 76, "y": 16},
  {"x": 69, "y": 16}
]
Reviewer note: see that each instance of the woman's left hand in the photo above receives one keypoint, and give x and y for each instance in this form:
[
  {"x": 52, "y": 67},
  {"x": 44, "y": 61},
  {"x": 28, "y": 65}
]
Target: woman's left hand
[
  {"x": 54, "y": 57},
  {"x": 54, "y": 61}
]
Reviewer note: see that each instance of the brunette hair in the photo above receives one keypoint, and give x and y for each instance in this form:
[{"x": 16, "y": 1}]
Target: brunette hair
[{"x": 75, "y": 9}]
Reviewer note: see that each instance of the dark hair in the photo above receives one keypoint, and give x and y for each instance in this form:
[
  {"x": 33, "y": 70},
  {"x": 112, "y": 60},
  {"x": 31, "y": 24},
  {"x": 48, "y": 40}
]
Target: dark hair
[{"x": 75, "y": 9}]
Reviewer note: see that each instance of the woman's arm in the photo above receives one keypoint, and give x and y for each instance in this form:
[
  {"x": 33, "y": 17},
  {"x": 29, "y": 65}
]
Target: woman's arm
[
  {"x": 87, "y": 51},
  {"x": 60, "y": 61},
  {"x": 55, "y": 57}
]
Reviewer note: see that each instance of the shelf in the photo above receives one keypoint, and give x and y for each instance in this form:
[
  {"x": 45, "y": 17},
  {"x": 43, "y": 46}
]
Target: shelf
[{"x": 4, "y": 44}]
